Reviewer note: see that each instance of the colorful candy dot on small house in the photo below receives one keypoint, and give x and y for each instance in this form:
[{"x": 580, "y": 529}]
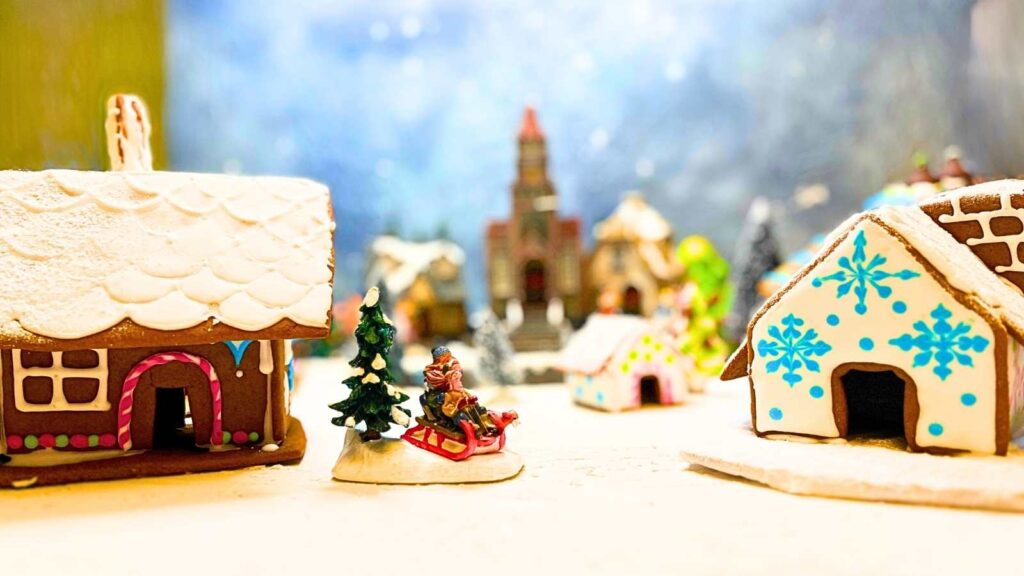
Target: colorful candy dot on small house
[{"x": 605, "y": 351}]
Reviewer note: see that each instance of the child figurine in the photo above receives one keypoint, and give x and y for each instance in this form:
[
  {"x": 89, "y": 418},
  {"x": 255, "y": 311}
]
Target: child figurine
[{"x": 454, "y": 424}]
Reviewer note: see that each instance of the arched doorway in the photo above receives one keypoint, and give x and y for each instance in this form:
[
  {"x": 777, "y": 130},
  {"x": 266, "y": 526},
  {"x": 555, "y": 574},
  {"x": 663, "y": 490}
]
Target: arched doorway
[
  {"x": 131, "y": 385},
  {"x": 534, "y": 282},
  {"x": 631, "y": 301},
  {"x": 874, "y": 400},
  {"x": 650, "y": 390}
]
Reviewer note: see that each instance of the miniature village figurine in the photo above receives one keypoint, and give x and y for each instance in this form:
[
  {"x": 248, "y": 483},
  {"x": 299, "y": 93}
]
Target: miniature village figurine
[
  {"x": 908, "y": 323},
  {"x": 454, "y": 424},
  {"x": 373, "y": 401},
  {"x": 147, "y": 315},
  {"x": 453, "y": 428}
]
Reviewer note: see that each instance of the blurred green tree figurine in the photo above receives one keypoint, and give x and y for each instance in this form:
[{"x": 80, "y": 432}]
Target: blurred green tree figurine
[
  {"x": 373, "y": 400},
  {"x": 707, "y": 298}
]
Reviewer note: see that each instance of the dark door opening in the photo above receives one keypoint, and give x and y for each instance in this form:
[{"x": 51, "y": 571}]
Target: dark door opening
[
  {"x": 170, "y": 428},
  {"x": 535, "y": 282},
  {"x": 631, "y": 301},
  {"x": 650, "y": 390},
  {"x": 874, "y": 403}
]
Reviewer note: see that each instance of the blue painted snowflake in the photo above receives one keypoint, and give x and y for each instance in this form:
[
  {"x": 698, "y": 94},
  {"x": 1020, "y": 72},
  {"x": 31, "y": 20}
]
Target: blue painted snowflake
[
  {"x": 860, "y": 273},
  {"x": 792, "y": 349},
  {"x": 942, "y": 343}
]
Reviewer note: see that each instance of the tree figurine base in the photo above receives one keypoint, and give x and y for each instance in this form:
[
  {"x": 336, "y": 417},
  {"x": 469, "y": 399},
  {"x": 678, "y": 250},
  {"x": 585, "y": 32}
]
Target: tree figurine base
[{"x": 395, "y": 461}]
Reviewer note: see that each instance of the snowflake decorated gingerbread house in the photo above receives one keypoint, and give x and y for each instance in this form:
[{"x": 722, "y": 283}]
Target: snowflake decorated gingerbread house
[
  {"x": 909, "y": 322},
  {"x": 145, "y": 312},
  {"x": 621, "y": 362}
]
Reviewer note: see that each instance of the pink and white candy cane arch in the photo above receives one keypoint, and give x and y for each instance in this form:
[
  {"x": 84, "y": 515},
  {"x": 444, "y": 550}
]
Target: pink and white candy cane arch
[{"x": 131, "y": 381}]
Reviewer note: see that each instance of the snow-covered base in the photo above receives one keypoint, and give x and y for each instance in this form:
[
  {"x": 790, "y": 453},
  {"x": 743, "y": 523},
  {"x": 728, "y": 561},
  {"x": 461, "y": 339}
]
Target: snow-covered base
[
  {"x": 861, "y": 469},
  {"x": 395, "y": 461}
]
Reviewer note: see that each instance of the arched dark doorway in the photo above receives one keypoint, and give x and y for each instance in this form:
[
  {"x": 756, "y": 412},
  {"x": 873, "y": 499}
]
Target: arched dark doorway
[
  {"x": 535, "y": 282},
  {"x": 631, "y": 301},
  {"x": 650, "y": 390},
  {"x": 874, "y": 400}
]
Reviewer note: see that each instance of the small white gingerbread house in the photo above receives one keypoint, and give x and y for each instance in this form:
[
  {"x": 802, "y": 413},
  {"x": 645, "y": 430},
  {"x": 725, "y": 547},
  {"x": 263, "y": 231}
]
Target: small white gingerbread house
[
  {"x": 901, "y": 326},
  {"x": 620, "y": 362}
]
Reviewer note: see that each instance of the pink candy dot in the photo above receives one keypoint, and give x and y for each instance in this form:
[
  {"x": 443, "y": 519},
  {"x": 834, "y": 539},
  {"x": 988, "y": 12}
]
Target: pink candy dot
[
  {"x": 79, "y": 441},
  {"x": 46, "y": 441},
  {"x": 240, "y": 437},
  {"x": 107, "y": 440},
  {"x": 14, "y": 442}
]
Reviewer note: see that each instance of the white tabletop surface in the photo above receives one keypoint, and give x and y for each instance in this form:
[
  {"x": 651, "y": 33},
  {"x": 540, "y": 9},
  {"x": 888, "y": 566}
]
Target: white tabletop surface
[{"x": 601, "y": 494}]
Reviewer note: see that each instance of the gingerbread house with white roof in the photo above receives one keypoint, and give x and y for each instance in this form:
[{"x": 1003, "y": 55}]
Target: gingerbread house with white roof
[
  {"x": 621, "y": 362},
  {"x": 909, "y": 322},
  {"x": 148, "y": 310}
]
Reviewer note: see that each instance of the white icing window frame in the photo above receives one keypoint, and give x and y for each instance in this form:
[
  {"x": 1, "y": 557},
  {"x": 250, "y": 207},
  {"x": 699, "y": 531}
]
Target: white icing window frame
[{"x": 57, "y": 373}]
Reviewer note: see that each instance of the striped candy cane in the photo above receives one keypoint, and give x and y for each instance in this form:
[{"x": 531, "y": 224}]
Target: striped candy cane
[{"x": 124, "y": 414}]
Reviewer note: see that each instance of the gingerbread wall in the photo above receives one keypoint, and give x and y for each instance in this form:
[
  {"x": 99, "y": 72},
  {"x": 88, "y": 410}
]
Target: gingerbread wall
[{"x": 243, "y": 387}]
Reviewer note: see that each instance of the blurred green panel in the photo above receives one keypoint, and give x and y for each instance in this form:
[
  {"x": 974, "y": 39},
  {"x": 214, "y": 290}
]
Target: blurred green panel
[{"x": 59, "y": 61}]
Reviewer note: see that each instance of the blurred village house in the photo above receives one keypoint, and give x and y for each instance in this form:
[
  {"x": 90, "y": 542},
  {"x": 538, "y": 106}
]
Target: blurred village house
[{"x": 423, "y": 281}]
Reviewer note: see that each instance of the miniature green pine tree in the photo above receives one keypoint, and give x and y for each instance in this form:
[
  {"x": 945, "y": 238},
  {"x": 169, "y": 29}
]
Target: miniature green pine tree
[{"x": 373, "y": 400}]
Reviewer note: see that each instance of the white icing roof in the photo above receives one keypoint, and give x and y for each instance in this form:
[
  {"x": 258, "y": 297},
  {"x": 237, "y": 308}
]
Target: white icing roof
[
  {"x": 634, "y": 219},
  {"x": 961, "y": 268},
  {"x": 596, "y": 342},
  {"x": 82, "y": 251},
  {"x": 409, "y": 260}
]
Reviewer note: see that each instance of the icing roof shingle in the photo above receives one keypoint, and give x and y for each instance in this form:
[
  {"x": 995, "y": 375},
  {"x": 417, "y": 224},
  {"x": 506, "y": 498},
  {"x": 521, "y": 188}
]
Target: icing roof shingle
[{"x": 107, "y": 258}]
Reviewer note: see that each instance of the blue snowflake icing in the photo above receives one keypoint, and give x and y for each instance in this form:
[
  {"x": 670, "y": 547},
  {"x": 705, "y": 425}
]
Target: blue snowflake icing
[
  {"x": 792, "y": 349},
  {"x": 942, "y": 343},
  {"x": 860, "y": 273}
]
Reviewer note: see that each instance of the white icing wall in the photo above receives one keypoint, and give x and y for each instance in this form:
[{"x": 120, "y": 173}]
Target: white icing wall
[{"x": 956, "y": 412}]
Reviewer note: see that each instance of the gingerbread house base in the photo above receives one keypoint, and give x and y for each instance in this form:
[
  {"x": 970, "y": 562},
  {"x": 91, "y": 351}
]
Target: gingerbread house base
[
  {"x": 395, "y": 461},
  {"x": 861, "y": 469},
  {"x": 164, "y": 462}
]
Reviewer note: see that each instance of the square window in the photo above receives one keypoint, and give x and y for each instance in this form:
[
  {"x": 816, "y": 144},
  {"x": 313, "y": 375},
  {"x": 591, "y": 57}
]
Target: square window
[
  {"x": 81, "y": 390},
  {"x": 33, "y": 359},
  {"x": 80, "y": 359},
  {"x": 38, "y": 390}
]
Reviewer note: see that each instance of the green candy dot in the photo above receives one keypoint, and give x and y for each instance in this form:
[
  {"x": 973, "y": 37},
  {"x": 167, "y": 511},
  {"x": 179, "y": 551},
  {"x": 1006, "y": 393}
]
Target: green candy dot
[
  {"x": 226, "y": 437},
  {"x": 254, "y": 437},
  {"x": 31, "y": 442},
  {"x": 61, "y": 441},
  {"x": 94, "y": 440}
]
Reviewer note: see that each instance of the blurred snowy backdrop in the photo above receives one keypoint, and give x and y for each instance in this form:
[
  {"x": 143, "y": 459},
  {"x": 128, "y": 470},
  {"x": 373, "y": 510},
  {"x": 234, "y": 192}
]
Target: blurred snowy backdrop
[{"x": 408, "y": 109}]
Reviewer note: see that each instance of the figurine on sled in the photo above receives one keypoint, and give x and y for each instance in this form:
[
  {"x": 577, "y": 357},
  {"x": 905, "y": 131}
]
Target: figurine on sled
[{"x": 454, "y": 424}]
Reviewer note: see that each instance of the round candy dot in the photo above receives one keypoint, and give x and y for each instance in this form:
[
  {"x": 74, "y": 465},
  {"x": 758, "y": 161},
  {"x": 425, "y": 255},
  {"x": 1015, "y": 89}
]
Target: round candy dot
[
  {"x": 968, "y": 399},
  {"x": 93, "y": 440},
  {"x": 600, "y": 397},
  {"x": 107, "y": 440},
  {"x": 860, "y": 308},
  {"x": 579, "y": 391},
  {"x": 867, "y": 344},
  {"x": 899, "y": 306},
  {"x": 47, "y": 441},
  {"x": 14, "y": 442},
  {"x": 79, "y": 441},
  {"x": 225, "y": 437},
  {"x": 775, "y": 414},
  {"x": 935, "y": 429},
  {"x": 254, "y": 437},
  {"x": 240, "y": 436},
  {"x": 31, "y": 442},
  {"x": 238, "y": 373},
  {"x": 61, "y": 441},
  {"x": 816, "y": 392},
  {"x": 832, "y": 320}
]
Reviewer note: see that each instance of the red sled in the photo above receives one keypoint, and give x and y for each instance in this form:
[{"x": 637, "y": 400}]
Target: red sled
[{"x": 459, "y": 446}]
